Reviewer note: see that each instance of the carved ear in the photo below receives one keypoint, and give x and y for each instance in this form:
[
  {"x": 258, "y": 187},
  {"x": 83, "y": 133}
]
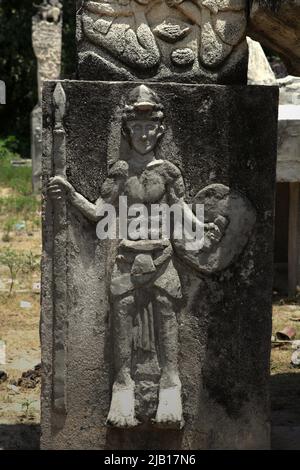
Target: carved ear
[
  {"x": 125, "y": 133},
  {"x": 161, "y": 131}
]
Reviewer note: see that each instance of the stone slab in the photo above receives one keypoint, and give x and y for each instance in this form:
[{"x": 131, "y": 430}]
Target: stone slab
[
  {"x": 215, "y": 135},
  {"x": 47, "y": 47},
  {"x": 36, "y": 148},
  {"x": 177, "y": 41},
  {"x": 288, "y": 162}
]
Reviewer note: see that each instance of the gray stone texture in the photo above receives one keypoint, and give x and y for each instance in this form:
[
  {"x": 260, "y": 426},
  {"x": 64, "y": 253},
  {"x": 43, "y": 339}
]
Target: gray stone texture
[
  {"x": 289, "y": 90},
  {"x": 47, "y": 46},
  {"x": 215, "y": 135}
]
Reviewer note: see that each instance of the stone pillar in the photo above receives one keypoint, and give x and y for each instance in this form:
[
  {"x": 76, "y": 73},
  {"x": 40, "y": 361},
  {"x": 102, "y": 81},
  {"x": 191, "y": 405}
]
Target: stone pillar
[
  {"x": 294, "y": 239},
  {"x": 47, "y": 45},
  {"x": 288, "y": 169},
  {"x": 151, "y": 343}
]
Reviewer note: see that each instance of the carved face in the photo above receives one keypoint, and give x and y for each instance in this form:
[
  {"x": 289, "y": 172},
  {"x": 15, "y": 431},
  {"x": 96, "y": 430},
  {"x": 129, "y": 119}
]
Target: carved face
[{"x": 144, "y": 135}]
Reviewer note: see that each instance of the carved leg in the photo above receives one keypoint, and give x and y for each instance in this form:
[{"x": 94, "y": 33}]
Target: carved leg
[
  {"x": 121, "y": 413},
  {"x": 169, "y": 411}
]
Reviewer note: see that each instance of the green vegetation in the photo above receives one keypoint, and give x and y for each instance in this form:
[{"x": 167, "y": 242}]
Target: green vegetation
[
  {"x": 16, "y": 178},
  {"x": 8, "y": 226},
  {"x": 17, "y": 181},
  {"x": 25, "y": 205},
  {"x": 17, "y": 262}
]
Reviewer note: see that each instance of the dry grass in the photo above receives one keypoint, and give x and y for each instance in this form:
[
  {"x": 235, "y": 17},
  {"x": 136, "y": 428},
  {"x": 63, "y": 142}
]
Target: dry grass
[
  {"x": 281, "y": 356},
  {"x": 19, "y": 329}
]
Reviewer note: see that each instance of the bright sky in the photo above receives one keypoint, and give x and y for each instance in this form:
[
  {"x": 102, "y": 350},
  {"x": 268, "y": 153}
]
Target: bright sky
[{"x": 289, "y": 112}]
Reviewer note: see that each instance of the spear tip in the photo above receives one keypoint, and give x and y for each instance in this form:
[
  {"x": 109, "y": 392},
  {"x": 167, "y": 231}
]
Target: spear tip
[{"x": 59, "y": 98}]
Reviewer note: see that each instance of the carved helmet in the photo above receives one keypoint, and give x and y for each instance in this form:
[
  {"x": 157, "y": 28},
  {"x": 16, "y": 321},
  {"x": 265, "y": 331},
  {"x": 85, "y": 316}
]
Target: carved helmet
[{"x": 143, "y": 103}]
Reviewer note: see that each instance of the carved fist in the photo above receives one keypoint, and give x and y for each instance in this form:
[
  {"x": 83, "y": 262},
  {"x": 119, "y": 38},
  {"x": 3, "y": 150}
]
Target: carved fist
[
  {"x": 215, "y": 231},
  {"x": 58, "y": 187}
]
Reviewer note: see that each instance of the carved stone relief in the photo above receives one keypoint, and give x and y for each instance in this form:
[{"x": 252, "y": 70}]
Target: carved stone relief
[
  {"x": 145, "y": 286},
  {"x": 49, "y": 10},
  {"x": 191, "y": 39}
]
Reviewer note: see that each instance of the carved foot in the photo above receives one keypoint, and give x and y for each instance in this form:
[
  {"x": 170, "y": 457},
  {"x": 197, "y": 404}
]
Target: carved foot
[
  {"x": 121, "y": 413},
  {"x": 169, "y": 411}
]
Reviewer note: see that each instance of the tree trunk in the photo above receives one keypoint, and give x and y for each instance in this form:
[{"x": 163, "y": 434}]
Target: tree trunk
[{"x": 276, "y": 25}]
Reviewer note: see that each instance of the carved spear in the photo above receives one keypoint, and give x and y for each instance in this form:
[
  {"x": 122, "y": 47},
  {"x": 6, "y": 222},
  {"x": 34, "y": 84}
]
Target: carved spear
[{"x": 60, "y": 256}]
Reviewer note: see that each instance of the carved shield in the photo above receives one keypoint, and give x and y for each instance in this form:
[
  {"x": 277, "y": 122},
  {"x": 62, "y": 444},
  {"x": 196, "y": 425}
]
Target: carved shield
[{"x": 240, "y": 215}]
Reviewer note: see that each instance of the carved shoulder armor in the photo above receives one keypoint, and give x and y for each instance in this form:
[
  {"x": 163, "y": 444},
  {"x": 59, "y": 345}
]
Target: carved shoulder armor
[
  {"x": 170, "y": 171},
  {"x": 118, "y": 170}
]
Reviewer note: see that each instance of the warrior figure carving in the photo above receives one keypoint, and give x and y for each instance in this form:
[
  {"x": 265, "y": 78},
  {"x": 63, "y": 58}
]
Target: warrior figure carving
[{"x": 145, "y": 286}]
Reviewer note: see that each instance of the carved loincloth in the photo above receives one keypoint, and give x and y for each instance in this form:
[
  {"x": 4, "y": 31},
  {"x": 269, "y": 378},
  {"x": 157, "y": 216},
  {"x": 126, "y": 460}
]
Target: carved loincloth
[{"x": 139, "y": 266}]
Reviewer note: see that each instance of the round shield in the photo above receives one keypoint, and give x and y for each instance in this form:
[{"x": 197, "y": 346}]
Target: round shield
[{"x": 234, "y": 216}]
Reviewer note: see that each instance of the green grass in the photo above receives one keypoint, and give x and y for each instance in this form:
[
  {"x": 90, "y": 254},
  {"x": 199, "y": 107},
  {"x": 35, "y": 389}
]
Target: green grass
[
  {"x": 25, "y": 205},
  {"x": 16, "y": 178}
]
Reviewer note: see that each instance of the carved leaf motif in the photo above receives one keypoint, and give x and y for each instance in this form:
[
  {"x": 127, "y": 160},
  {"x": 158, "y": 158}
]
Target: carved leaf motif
[
  {"x": 103, "y": 8},
  {"x": 129, "y": 31},
  {"x": 222, "y": 5},
  {"x": 172, "y": 31},
  {"x": 182, "y": 57},
  {"x": 59, "y": 98},
  {"x": 213, "y": 51},
  {"x": 230, "y": 26}
]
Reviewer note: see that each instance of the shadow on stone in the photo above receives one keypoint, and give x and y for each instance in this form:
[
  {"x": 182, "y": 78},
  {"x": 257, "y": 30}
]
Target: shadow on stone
[
  {"x": 19, "y": 436},
  {"x": 285, "y": 405},
  {"x": 142, "y": 438}
]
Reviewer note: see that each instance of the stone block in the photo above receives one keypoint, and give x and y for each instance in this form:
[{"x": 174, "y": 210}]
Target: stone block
[{"x": 222, "y": 140}]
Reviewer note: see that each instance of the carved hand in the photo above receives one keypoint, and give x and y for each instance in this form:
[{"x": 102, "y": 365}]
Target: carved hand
[
  {"x": 58, "y": 187},
  {"x": 215, "y": 230}
]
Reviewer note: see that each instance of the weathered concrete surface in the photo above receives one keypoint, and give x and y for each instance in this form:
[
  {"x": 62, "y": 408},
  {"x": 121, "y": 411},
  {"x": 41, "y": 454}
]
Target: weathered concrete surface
[
  {"x": 288, "y": 164},
  {"x": 289, "y": 90},
  {"x": 278, "y": 28},
  {"x": 225, "y": 318}
]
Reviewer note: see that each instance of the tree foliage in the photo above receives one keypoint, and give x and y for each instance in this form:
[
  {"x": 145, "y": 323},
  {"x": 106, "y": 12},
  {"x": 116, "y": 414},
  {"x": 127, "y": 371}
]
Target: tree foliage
[{"x": 18, "y": 65}]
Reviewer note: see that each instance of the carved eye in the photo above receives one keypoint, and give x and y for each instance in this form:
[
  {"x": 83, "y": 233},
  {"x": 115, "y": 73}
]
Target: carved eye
[
  {"x": 150, "y": 127},
  {"x": 137, "y": 128}
]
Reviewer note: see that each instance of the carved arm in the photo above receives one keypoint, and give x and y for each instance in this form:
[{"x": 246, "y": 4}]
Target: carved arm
[{"x": 59, "y": 187}]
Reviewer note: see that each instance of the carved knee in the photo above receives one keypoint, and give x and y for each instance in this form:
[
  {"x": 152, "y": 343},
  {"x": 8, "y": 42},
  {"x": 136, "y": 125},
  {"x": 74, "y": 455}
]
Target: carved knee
[
  {"x": 165, "y": 306},
  {"x": 124, "y": 305}
]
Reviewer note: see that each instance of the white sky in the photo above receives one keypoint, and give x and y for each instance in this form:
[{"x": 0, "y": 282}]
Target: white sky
[{"x": 289, "y": 112}]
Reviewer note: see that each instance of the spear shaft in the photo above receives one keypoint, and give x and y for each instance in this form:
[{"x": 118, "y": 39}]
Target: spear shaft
[{"x": 60, "y": 257}]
